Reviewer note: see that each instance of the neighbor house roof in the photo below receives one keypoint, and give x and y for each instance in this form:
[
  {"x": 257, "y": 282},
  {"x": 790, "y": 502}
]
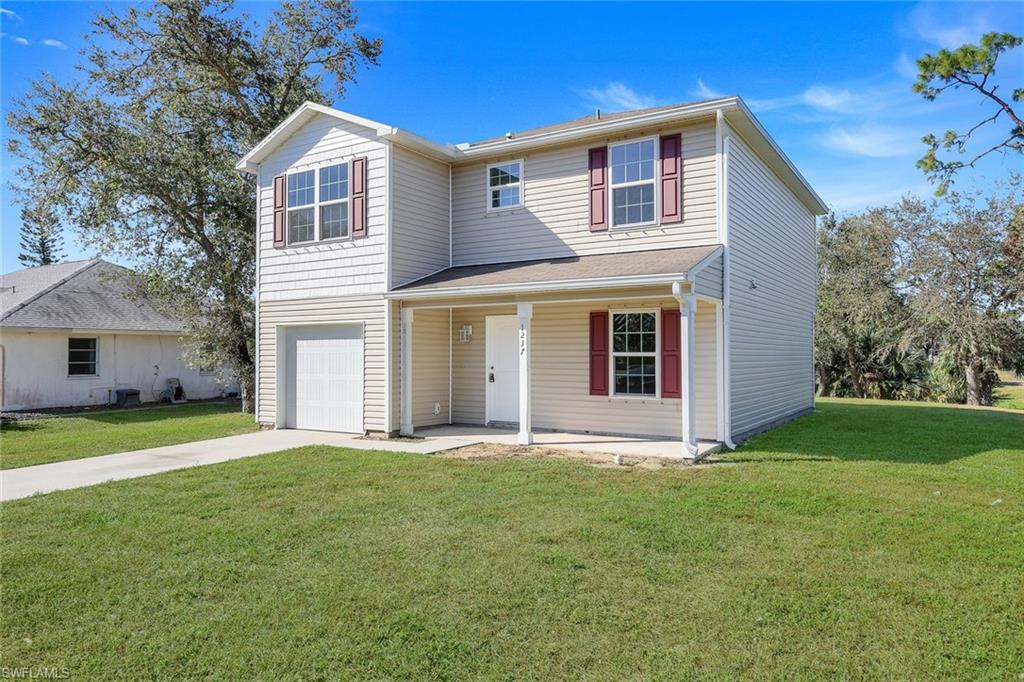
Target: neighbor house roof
[
  {"x": 597, "y": 270},
  {"x": 732, "y": 109},
  {"x": 88, "y": 295}
]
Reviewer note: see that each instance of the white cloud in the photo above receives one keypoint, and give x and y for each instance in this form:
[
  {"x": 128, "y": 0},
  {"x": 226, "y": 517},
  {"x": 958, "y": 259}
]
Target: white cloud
[
  {"x": 905, "y": 67},
  {"x": 704, "y": 92},
  {"x": 9, "y": 14},
  {"x": 950, "y": 26},
  {"x": 821, "y": 97},
  {"x": 50, "y": 42},
  {"x": 872, "y": 141},
  {"x": 20, "y": 40},
  {"x": 617, "y": 97}
]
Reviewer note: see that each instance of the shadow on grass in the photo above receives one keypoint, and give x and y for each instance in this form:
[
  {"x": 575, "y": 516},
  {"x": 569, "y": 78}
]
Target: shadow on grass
[{"x": 892, "y": 432}]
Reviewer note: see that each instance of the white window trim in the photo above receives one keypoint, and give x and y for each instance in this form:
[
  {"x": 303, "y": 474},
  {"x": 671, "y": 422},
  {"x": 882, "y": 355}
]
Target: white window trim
[
  {"x": 612, "y": 354},
  {"x": 67, "y": 359},
  {"x": 520, "y": 185},
  {"x": 316, "y": 205},
  {"x": 654, "y": 181}
]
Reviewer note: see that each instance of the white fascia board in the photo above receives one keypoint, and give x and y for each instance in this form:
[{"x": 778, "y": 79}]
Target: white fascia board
[
  {"x": 249, "y": 163},
  {"x": 539, "y": 287},
  {"x": 404, "y": 138},
  {"x": 606, "y": 127},
  {"x": 743, "y": 121}
]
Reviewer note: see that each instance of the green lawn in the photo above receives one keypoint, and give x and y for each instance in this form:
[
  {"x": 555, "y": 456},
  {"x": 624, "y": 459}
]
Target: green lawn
[
  {"x": 56, "y": 439},
  {"x": 1009, "y": 397},
  {"x": 866, "y": 541}
]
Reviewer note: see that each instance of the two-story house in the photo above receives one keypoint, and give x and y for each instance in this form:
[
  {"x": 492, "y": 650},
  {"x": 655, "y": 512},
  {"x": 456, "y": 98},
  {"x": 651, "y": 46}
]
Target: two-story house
[{"x": 644, "y": 273}]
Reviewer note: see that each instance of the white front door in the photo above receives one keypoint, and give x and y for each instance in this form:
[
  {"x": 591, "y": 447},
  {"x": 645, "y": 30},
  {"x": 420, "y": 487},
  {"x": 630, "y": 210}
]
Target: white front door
[
  {"x": 502, "y": 369},
  {"x": 324, "y": 389}
]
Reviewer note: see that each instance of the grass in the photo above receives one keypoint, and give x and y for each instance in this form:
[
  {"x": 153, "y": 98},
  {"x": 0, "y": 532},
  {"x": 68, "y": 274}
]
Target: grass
[
  {"x": 865, "y": 541},
  {"x": 56, "y": 439},
  {"x": 1009, "y": 395}
]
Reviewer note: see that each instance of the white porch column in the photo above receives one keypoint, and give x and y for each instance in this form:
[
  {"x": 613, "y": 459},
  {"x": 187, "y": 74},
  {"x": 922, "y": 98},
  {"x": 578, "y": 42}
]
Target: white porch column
[
  {"x": 405, "y": 425},
  {"x": 688, "y": 346},
  {"x": 525, "y": 313}
]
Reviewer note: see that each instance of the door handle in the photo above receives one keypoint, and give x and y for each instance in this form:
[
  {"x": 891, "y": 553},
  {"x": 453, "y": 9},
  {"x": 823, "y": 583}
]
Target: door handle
[{"x": 490, "y": 377}]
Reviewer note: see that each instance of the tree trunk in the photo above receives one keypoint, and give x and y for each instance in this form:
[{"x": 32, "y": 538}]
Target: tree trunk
[
  {"x": 855, "y": 376},
  {"x": 824, "y": 382},
  {"x": 971, "y": 378},
  {"x": 247, "y": 387}
]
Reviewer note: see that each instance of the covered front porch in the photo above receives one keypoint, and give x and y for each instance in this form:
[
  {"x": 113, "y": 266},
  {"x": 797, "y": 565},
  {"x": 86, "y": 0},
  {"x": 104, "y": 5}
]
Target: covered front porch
[{"x": 580, "y": 364}]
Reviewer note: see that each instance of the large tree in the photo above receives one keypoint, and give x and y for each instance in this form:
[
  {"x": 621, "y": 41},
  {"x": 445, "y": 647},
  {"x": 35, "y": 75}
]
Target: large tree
[
  {"x": 971, "y": 68},
  {"x": 965, "y": 267},
  {"x": 40, "y": 236},
  {"x": 861, "y": 318},
  {"x": 140, "y": 150}
]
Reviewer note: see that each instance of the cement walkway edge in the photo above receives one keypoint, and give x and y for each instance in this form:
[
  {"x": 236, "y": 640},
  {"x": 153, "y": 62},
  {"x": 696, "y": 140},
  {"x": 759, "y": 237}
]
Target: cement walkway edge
[{"x": 77, "y": 473}]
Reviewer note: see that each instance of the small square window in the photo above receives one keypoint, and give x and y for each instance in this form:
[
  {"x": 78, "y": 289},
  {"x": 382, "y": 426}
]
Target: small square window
[
  {"x": 334, "y": 221},
  {"x": 300, "y": 225},
  {"x": 300, "y": 189},
  {"x": 334, "y": 183},
  {"x": 82, "y": 357},
  {"x": 504, "y": 185}
]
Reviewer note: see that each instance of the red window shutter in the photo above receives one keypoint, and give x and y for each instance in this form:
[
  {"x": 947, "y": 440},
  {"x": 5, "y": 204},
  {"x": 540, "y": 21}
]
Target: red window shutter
[
  {"x": 671, "y": 178},
  {"x": 358, "y": 201},
  {"x": 598, "y": 190},
  {"x": 599, "y": 352},
  {"x": 671, "y": 355},
  {"x": 279, "y": 212}
]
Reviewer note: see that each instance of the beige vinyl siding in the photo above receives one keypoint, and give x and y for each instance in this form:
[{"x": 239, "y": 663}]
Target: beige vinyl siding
[
  {"x": 419, "y": 216},
  {"x": 709, "y": 280},
  {"x": 430, "y": 367},
  {"x": 561, "y": 373},
  {"x": 554, "y": 220},
  {"x": 334, "y": 268},
  {"x": 323, "y": 311},
  {"x": 772, "y": 243}
]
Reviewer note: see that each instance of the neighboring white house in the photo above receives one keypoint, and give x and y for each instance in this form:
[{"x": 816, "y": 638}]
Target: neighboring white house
[
  {"x": 72, "y": 333},
  {"x": 650, "y": 272}
]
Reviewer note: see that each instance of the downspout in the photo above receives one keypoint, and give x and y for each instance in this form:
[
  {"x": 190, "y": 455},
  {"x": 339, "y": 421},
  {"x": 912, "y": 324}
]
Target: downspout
[{"x": 683, "y": 291}]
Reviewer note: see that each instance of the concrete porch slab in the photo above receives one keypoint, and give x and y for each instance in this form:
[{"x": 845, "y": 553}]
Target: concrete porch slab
[{"x": 584, "y": 442}]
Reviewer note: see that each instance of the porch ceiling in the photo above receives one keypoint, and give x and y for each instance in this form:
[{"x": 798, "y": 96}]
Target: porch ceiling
[{"x": 591, "y": 271}]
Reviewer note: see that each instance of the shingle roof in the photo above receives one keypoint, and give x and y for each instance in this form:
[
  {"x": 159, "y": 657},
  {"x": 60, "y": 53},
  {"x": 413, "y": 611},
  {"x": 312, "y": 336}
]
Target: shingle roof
[
  {"x": 92, "y": 294},
  {"x": 667, "y": 262},
  {"x": 582, "y": 121}
]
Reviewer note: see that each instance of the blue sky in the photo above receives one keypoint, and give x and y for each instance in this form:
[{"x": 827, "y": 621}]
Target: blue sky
[{"x": 831, "y": 82}]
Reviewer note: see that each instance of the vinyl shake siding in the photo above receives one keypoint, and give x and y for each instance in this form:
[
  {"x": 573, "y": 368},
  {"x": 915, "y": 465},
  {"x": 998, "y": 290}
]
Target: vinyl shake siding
[
  {"x": 335, "y": 268},
  {"x": 554, "y": 220},
  {"x": 773, "y": 295},
  {"x": 419, "y": 216}
]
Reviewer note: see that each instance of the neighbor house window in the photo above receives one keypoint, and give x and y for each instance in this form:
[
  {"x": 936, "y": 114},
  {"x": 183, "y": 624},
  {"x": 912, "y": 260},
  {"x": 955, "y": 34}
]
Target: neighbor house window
[
  {"x": 301, "y": 209},
  {"x": 81, "y": 357},
  {"x": 635, "y": 353},
  {"x": 632, "y": 166},
  {"x": 504, "y": 185},
  {"x": 334, "y": 201}
]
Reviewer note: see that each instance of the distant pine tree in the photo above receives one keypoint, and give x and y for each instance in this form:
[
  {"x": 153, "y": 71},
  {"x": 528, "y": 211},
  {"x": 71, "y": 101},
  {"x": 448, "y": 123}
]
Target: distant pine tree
[{"x": 40, "y": 237}]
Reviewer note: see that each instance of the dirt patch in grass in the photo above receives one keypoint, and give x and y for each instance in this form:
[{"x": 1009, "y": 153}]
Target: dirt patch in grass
[{"x": 490, "y": 451}]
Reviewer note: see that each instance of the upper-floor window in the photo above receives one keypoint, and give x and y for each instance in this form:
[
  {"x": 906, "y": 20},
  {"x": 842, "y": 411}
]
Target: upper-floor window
[
  {"x": 632, "y": 166},
  {"x": 635, "y": 353},
  {"x": 318, "y": 204},
  {"x": 504, "y": 185},
  {"x": 82, "y": 357}
]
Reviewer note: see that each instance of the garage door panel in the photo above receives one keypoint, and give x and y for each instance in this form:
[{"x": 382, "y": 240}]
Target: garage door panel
[{"x": 325, "y": 380}]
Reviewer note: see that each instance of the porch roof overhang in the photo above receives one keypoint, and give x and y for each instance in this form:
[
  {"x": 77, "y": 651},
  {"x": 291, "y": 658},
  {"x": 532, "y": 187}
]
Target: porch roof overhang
[{"x": 596, "y": 271}]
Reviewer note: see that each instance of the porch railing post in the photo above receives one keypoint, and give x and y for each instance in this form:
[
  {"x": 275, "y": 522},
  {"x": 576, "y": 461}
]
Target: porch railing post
[
  {"x": 405, "y": 423},
  {"x": 524, "y": 311}
]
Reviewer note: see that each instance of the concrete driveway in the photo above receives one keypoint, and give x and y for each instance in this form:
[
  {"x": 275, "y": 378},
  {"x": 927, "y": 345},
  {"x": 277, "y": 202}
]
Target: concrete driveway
[{"x": 76, "y": 473}]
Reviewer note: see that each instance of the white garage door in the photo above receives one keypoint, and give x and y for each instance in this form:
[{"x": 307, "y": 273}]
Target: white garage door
[{"x": 324, "y": 389}]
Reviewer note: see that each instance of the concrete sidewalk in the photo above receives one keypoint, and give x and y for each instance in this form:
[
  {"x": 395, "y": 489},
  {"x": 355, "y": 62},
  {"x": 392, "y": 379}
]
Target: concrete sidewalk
[{"x": 76, "y": 473}]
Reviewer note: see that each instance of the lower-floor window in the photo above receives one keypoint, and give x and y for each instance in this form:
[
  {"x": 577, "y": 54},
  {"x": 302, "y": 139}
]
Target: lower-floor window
[
  {"x": 82, "y": 357},
  {"x": 635, "y": 353}
]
